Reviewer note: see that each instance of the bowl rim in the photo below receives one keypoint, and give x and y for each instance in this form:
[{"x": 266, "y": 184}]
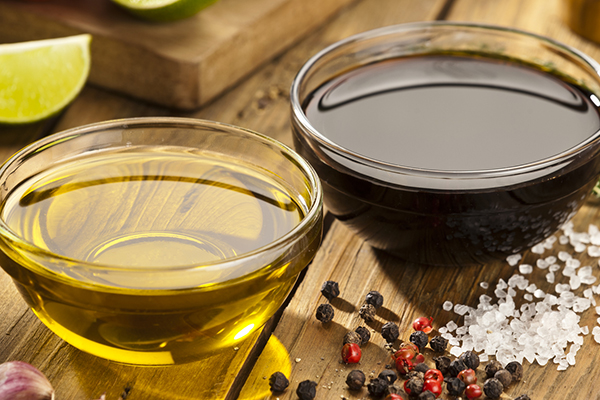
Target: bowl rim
[
  {"x": 312, "y": 215},
  {"x": 300, "y": 117}
]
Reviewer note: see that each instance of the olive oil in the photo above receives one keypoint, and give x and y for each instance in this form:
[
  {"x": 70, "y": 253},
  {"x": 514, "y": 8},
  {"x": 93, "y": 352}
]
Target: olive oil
[{"x": 139, "y": 235}]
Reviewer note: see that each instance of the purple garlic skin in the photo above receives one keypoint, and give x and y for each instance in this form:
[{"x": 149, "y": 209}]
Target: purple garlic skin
[{"x": 22, "y": 381}]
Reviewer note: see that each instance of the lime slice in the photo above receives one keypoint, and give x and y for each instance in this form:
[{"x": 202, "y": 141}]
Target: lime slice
[
  {"x": 164, "y": 10},
  {"x": 39, "y": 78}
]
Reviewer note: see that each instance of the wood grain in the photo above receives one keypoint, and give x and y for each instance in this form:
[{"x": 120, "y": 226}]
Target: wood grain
[{"x": 182, "y": 64}]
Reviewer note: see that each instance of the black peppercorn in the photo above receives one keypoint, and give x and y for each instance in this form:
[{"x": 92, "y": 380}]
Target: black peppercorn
[
  {"x": 427, "y": 395},
  {"x": 470, "y": 359},
  {"x": 388, "y": 375},
  {"x": 352, "y": 337},
  {"x": 504, "y": 377},
  {"x": 492, "y": 367},
  {"x": 516, "y": 370},
  {"x": 325, "y": 313},
  {"x": 415, "y": 386},
  {"x": 523, "y": 397},
  {"x": 420, "y": 339},
  {"x": 364, "y": 334},
  {"x": 393, "y": 389},
  {"x": 374, "y": 298},
  {"x": 330, "y": 290},
  {"x": 442, "y": 363},
  {"x": 455, "y": 386},
  {"x": 278, "y": 382},
  {"x": 493, "y": 388},
  {"x": 377, "y": 387},
  {"x": 367, "y": 312},
  {"x": 421, "y": 367},
  {"x": 455, "y": 367},
  {"x": 355, "y": 379},
  {"x": 415, "y": 373},
  {"x": 390, "y": 332},
  {"x": 438, "y": 344},
  {"x": 307, "y": 390}
]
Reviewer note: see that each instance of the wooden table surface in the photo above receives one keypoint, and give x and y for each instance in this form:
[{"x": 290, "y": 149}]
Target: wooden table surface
[{"x": 294, "y": 342}]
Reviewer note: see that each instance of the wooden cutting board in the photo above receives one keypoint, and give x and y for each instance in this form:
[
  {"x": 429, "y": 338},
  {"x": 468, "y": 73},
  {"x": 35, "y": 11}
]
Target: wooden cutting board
[{"x": 181, "y": 64}]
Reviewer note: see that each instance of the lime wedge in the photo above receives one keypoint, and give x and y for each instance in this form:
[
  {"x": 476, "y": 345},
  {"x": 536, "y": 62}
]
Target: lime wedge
[
  {"x": 39, "y": 78},
  {"x": 164, "y": 10}
]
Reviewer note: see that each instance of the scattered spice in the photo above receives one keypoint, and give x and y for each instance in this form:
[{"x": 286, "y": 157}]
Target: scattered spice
[
  {"x": 352, "y": 337},
  {"x": 504, "y": 377},
  {"x": 414, "y": 386},
  {"x": 351, "y": 353},
  {"x": 455, "y": 367},
  {"x": 364, "y": 334},
  {"x": 421, "y": 367},
  {"x": 455, "y": 386},
  {"x": 492, "y": 367},
  {"x": 438, "y": 344},
  {"x": 423, "y": 324},
  {"x": 393, "y": 396},
  {"x": 420, "y": 339},
  {"x": 377, "y": 387},
  {"x": 278, "y": 382},
  {"x": 434, "y": 374},
  {"x": 355, "y": 379},
  {"x": 467, "y": 376},
  {"x": 325, "y": 313},
  {"x": 516, "y": 370},
  {"x": 442, "y": 363},
  {"x": 473, "y": 391},
  {"x": 433, "y": 386},
  {"x": 307, "y": 390},
  {"x": 374, "y": 298},
  {"x": 330, "y": 290},
  {"x": 471, "y": 359},
  {"x": 390, "y": 332},
  {"x": 493, "y": 388},
  {"x": 523, "y": 397},
  {"x": 388, "y": 375},
  {"x": 419, "y": 374},
  {"x": 427, "y": 395},
  {"x": 367, "y": 312}
]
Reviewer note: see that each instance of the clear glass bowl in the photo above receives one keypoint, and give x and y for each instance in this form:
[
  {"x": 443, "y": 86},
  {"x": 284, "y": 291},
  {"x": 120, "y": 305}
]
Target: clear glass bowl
[
  {"x": 446, "y": 217},
  {"x": 157, "y": 241}
]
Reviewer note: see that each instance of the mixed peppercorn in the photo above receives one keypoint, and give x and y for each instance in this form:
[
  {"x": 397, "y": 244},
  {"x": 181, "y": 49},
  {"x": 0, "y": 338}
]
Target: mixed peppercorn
[{"x": 421, "y": 382}]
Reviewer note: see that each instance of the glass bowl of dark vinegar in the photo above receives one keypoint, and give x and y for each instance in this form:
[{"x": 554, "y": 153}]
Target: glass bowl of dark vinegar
[
  {"x": 450, "y": 143},
  {"x": 157, "y": 241}
]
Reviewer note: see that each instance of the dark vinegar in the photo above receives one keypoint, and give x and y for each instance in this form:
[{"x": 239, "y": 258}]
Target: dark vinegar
[{"x": 452, "y": 114}]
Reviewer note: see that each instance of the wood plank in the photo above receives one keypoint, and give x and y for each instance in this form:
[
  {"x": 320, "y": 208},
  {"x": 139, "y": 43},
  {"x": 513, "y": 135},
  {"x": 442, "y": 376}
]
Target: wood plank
[
  {"x": 183, "y": 64},
  {"x": 300, "y": 344}
]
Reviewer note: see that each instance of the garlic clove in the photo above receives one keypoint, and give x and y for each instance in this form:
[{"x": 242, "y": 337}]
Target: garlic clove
[{"x": 22, "y": 381}]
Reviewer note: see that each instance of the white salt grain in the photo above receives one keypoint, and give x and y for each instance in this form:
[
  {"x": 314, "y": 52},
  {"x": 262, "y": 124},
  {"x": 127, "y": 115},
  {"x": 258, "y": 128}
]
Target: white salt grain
[
  {"x": 574, "y": 282},
  {"x": 539, "y": 294},
  {"x": 447, "y": 306},
  {"x": 484, "y": 285},
  {"x": 573, "y": 263},
  {"x": 554, "y": 267},
  {"x": 542, "y": 264},
  {"x": 550, "y": 277},
  {"x": 563, "y": 239},
  {"x": 538, "y": 249},
  {"x": 528, "y": 296},
  {"x": 580, "y": 247},
  {"x": 513, "y": 259},
  {"x": 526, "y": 268},
  {"x": 593, "y": 251},
  {"x": 563, "y": 256}
]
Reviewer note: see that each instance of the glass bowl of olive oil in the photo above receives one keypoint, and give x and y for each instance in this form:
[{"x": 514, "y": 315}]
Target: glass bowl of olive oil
[
  {"x": 157, "y": 241},
  {"x": 450, "y": 143}
]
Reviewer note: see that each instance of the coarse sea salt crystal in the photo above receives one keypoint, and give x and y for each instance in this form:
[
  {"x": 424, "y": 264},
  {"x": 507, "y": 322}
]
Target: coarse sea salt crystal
[
  {"x": 447, "y": 306},
  {"x": 563, "y": 255},
  {"x": 513, "y": 259},
  {"x": 542, "y": 264},
  {"x": 550, "y": 277},
  {"x": 579, "y": 247},
  {"x": 528, "y": 296},
  {"x": 563, "y": 239},
  {"x": 538, "y": 249},
  {"x": 484, "y": 285},
  {"x": 525, "y": 269},
  {"x": 593, "y": 251}
]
